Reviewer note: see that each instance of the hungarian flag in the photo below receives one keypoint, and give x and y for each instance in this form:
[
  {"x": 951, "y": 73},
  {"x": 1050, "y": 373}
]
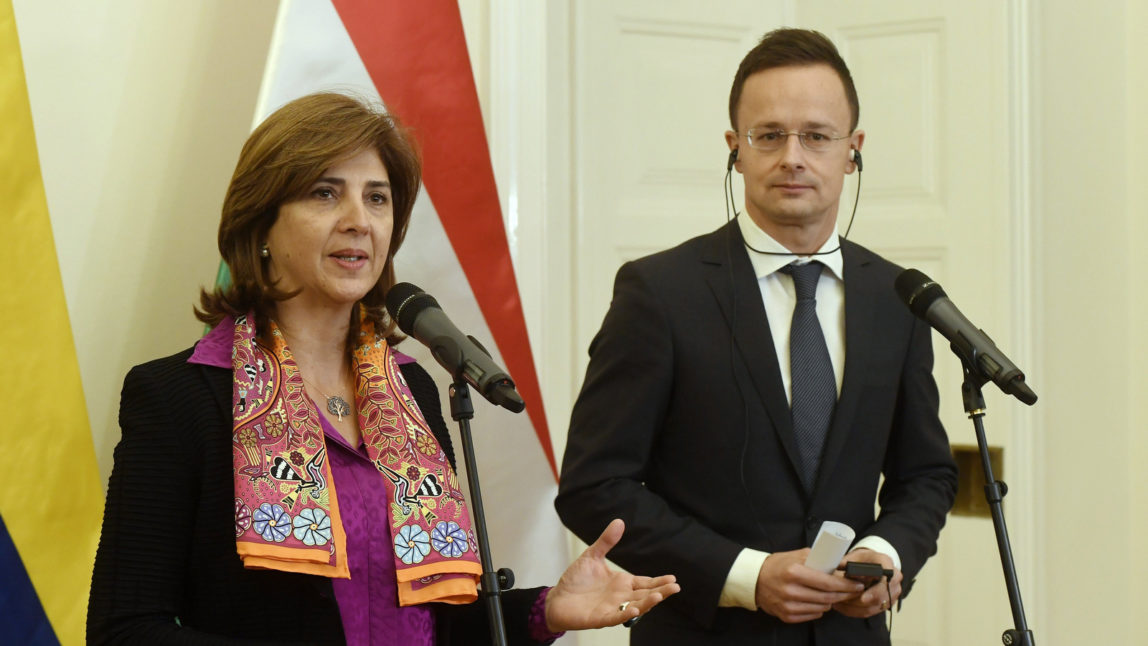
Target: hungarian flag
[
  {"x": 412, "y": 57},
  {"x": 52, "y": 499}
]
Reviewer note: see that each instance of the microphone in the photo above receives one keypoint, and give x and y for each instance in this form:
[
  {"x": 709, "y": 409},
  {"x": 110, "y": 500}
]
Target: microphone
[
  {"x": 929, "y": 303},
  {"x": 419, "y": 315}
]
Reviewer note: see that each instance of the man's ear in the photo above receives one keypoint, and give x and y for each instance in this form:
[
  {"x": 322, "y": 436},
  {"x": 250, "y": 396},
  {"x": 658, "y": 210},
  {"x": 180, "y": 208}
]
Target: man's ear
[
  {"x": 856, "y": 141},
  {"x": 732, "y": 142}
]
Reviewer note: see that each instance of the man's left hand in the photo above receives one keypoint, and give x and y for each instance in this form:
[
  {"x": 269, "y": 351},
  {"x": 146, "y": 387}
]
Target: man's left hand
[{"x": 874, "y": 598}]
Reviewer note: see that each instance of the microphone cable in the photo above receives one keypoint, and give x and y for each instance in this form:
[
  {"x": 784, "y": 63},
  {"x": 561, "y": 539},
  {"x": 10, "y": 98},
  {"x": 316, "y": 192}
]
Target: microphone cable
[{"x": 729, "y": 231}]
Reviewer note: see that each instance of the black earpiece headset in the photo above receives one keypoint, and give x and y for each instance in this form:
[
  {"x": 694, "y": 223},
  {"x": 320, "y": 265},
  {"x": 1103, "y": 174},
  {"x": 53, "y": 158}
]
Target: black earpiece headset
[{"x": 854, "y": 156}]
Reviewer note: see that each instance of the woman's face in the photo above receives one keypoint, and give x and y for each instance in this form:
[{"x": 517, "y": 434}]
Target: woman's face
[{"x": 332, "y": 243}]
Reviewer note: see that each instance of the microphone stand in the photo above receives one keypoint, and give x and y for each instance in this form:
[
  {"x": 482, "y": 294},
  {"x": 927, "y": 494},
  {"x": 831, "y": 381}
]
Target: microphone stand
[
  {"x": 462, "y": 411},
  {"x": 995, "y": 490}
]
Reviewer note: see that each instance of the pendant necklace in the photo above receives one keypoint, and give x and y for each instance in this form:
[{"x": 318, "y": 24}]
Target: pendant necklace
[{"x": 335, "y": 405}]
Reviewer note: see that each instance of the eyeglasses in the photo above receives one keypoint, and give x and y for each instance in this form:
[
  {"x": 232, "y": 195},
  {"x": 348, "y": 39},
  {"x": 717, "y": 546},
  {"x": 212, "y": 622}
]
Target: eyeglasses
[{"x": 772, "y": 139}]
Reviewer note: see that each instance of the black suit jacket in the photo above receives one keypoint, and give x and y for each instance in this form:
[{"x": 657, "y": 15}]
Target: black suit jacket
[
  {"x": 167, "y": 572},
  {"x": 683, "y": 429}
]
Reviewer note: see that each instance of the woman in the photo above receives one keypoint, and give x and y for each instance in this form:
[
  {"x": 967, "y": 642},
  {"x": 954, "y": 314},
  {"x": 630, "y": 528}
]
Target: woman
[{"x": 290, "y": 479}]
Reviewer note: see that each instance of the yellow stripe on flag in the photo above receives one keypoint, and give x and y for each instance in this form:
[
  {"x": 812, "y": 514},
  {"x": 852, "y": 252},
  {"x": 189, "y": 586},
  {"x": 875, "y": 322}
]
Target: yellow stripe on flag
[{"x": 52, "y": 498}]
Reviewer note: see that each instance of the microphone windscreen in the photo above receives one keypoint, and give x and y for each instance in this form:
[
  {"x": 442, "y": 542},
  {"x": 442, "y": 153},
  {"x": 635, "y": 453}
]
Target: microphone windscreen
[
  {"x": 405, "y": 302},
  {"x": 918, "y": 291}
]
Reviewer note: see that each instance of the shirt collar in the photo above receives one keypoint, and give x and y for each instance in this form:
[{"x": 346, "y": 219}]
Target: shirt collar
[
  {"x": 214, "y": 349},
  {"x": 765, "y": 264}
]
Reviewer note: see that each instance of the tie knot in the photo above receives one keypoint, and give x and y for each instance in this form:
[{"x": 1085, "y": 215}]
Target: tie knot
[{"x": 804, "y": 278}]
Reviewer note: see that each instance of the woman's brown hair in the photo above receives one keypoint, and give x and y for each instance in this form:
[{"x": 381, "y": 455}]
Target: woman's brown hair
[{"x": 281, "y": 159}]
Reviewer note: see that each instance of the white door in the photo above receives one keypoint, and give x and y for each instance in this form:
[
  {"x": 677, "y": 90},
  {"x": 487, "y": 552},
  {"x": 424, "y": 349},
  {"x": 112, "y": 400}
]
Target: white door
[
  {"x": 650, "y": 82},
  {"x": 932, "y": 79},
  {"x": 651, "y": 93}
]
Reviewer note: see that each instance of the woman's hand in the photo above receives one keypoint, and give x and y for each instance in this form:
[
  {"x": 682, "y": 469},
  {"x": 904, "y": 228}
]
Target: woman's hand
[{"x": 591, "y": 595}]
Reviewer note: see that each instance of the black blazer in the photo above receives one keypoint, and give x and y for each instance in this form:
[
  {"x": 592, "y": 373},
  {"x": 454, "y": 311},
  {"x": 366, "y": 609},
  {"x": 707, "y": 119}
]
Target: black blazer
[
  {"x": 167, "y": 572},
  {"x": 683, "y": 429}
]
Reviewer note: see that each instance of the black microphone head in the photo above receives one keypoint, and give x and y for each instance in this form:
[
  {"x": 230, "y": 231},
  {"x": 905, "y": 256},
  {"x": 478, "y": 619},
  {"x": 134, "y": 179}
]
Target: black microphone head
[
  {"x": 405, "y": 302},
  {"x": 918, "y": 291}
]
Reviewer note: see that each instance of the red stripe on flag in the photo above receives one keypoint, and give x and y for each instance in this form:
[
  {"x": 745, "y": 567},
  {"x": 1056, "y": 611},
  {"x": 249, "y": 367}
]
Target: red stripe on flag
[{"x": 416, "y": 55}]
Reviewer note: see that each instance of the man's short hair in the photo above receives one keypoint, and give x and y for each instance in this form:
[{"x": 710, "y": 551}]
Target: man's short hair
[{"x": 792, "y": 48}]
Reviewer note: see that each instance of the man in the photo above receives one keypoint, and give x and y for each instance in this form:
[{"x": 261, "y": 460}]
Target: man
[{"x": 752, "y": 383}]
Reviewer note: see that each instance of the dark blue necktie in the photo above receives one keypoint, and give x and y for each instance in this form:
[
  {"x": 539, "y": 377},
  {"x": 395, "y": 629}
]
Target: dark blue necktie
[{"x": 814, "y": 386}]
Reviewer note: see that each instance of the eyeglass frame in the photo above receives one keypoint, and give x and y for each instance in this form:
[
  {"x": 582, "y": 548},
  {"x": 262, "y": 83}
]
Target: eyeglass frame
[{"x": 801, "y": 138}]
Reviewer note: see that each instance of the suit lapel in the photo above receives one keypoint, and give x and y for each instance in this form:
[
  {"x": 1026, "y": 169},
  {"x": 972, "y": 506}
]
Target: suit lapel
[
  {"x": 742, "y": 309},
  {"x": 860, "y": 293}
]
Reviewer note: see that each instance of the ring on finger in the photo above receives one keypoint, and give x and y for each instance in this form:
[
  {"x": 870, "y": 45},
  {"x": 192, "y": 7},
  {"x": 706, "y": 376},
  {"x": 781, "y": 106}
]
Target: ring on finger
[{"x": 622, "y": 608}]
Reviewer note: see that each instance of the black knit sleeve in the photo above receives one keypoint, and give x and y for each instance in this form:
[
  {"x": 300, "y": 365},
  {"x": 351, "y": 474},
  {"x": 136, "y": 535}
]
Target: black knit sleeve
[
  {"x": 140, "y": 582},
  {"x": 468, "y": 625}
]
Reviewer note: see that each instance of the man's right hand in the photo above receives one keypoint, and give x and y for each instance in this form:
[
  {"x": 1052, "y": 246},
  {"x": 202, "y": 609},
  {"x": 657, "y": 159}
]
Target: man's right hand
[{"x": 794, "y": 593}]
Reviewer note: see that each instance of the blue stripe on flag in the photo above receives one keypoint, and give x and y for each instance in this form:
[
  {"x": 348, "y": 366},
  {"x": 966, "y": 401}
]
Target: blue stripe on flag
[{"x": 24, "y": 618}]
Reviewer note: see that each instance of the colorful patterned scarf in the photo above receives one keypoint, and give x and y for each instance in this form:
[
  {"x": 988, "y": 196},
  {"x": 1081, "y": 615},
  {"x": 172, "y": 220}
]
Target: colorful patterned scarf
[{"x": 286, "y": 508}]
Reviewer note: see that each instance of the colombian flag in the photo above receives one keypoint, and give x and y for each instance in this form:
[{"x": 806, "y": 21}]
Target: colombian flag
[{"x": 52, "y": 501}]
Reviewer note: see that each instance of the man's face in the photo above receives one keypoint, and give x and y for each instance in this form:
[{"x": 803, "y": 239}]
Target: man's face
[{"x": 792, "y": 193}]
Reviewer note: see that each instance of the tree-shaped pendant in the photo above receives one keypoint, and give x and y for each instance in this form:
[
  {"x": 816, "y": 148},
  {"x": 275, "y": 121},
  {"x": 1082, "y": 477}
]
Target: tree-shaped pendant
[{"x": 338, "y": 406}]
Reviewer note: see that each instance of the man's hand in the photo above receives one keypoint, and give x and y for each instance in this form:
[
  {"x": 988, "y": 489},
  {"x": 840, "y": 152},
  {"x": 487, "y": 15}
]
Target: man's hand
[
  {"x": 794, "y": 593},
  {"x": 875, "y": 598}
]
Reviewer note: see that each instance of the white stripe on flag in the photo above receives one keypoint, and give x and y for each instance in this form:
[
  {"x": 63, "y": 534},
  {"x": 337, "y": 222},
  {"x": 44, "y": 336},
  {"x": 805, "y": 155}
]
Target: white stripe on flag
[{"x": 311, "y": 51}]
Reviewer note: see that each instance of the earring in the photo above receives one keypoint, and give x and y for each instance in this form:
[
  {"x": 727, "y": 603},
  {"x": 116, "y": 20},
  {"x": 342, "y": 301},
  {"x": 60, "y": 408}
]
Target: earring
[{"x": 264, "y": 251}]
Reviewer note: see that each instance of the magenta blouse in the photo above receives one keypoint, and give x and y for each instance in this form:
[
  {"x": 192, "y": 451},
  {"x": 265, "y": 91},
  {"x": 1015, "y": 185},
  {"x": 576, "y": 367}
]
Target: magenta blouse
[{"x": 368, "y": 601}]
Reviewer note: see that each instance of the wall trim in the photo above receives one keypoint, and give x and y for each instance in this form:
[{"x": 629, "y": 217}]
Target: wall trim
[
  {"x": 529, "y": 72},
  {"x": 1026, "y": 465}
]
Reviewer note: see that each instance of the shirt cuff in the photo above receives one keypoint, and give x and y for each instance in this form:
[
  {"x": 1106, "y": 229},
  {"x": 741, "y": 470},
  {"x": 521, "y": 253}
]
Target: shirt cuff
[
  {"x": 878, "y": 544},
  {"x": 536, "y": 622},
  {"x": 740, "y": 589}
]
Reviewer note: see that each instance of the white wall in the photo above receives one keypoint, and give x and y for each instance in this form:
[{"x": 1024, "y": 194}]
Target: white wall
[
  {"x": 1136, "y": 240},
  {"x": 140, "y": 109},
  {"x": 1091, "y": 209}
]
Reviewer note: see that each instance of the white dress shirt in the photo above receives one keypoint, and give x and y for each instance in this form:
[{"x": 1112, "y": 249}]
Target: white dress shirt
[{"x": 779, "y": 297}]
